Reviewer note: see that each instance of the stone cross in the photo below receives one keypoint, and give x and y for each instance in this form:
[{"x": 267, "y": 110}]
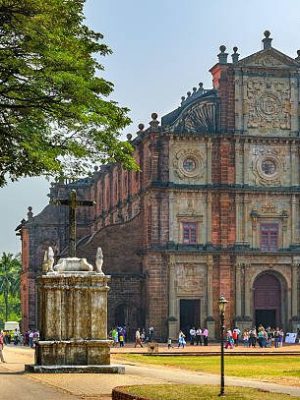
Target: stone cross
[{"x": 73, "y": 203}]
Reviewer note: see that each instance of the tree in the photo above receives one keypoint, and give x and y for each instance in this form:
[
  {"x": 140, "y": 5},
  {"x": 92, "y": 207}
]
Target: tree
[
  {"x": 54, "y": 115},
  {"x": 10, "y": 269}
]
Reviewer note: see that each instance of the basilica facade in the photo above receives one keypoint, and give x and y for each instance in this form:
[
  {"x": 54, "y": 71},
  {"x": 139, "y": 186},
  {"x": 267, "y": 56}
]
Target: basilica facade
[{"x": 214, "y": 210}]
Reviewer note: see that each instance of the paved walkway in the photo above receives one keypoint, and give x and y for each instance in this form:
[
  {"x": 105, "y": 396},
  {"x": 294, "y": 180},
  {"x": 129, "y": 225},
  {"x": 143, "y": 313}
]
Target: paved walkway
[{"x": 17, "y": 385}]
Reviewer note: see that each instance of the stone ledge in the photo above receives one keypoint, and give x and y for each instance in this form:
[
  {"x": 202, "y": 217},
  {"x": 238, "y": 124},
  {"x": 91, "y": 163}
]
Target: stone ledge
[{"x": 100, "y": 369}]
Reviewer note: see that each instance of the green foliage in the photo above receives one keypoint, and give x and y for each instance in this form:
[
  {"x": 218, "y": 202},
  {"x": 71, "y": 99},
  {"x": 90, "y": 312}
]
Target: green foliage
[
  {"x": 54, "y": 115},
  {"x": 10, "y": 269}
]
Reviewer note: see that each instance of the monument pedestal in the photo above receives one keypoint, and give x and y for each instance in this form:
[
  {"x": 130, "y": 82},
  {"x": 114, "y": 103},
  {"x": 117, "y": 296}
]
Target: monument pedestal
[{"x": 73, "y": 320}]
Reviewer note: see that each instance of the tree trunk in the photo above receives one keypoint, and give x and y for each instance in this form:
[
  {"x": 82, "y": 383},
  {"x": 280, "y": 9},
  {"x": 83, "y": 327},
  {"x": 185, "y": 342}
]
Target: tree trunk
[{"x": 6, "y": 305}]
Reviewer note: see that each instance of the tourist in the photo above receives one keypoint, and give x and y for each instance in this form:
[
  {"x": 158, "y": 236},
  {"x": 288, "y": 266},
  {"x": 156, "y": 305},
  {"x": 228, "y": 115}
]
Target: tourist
[
  {"x": 205, "y": 336},
  {"x": 31, "y": 334},
  {"x": 1, "y": 346},
  {"x": 281, "y": 338},
  {"x": 235, "y": 335},
  {"x": 121, "y": 339},
  {"x": 16, "y": 337},
  {"x": 170, "y": 343},
  {"x": 262, "y": 337},
  {"x": 246, "y": 338},
  {"x": 151, "y": 333},
  {"x": 138, "y": 338},
  {"x": 115, "y": 336},
  {"x": 229, "y": 340},
  {"x": 276, "y": 334},
  {"x": 143, "y": 335},
  {"x": 181, "y": 339},
  {"x": 199, "y": 336},
  {"x": 252, "y": 337},
  {"x": 192, "y": 336}
]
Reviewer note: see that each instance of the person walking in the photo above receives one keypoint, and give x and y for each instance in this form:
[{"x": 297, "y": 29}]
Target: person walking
[
  {"x": 138, "y": 340},
  {"x": 1, "y": 346},
  {"x": 181, "y": 339}
]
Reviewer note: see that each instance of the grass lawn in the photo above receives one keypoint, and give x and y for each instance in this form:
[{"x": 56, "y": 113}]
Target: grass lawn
[
  {"x": 278, "y": 369},
  {"x": 196, "y": 392}
]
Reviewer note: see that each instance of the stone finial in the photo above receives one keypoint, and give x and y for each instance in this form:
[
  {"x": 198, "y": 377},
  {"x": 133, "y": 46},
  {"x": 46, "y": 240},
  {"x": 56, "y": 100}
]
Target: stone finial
[
  {"x": 222, "y": 56},
  {"x": 267, "y": 40},
  {"x": 194, "y": 90},
  {"x": 141, "y": 128},
  {"x": 30, "y": 213},
  {"x": 201, "y": 89},
  {"x": 235, "y": 55},
  {"x": 188, "y": 94},
  {"x": 99, "y": 261},
  {"x": 129, "y": 137},
  {"x": 154, "y": 123},
  {"x": 182, "y": 99},
  {"x": 298, "y": 56}
]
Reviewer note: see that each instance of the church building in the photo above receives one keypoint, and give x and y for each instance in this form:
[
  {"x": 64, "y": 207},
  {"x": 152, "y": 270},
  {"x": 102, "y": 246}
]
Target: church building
[{"x": 214, "y": 210}]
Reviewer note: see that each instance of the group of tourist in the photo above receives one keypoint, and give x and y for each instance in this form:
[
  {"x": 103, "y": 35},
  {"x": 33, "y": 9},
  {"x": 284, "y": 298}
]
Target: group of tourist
[
  {"x": 197, "y": 337},
  {"x": 252, "y": 337},
  {"x": 29, "y": 338},
  {"x": 142, "y": 337},
  {"x": 118, "y": 334}
]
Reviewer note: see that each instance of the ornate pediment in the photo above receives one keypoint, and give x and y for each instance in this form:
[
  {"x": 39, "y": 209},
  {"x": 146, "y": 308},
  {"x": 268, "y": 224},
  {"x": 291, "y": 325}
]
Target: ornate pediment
[
  {"x": 270, "y": 58},
  {"x": 199, "y": 117}
]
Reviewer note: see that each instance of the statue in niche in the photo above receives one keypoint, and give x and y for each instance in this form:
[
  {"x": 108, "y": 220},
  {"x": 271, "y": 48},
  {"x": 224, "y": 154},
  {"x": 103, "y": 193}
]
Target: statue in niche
[
  {"x": 99, "y": 261},
  {"x": 48, "y": 261}
]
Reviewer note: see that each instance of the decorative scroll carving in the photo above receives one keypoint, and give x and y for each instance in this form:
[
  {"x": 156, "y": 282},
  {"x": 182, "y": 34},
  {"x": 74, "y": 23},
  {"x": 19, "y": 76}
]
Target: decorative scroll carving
[
  {"x": 268, "y": 103},
  {"x": 199, "y": 117},
  {"x": 266, "y": 61}
]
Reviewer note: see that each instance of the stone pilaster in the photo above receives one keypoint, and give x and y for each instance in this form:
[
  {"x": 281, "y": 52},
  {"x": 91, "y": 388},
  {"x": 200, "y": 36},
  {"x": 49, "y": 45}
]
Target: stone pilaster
[
  {"x": 173, "y": 314},
  {"x": 295, "y": 271},
  {"x": 238, "y": 299}
]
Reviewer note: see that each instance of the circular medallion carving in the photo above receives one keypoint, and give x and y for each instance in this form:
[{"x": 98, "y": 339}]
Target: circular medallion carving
[
  {"x": 268, "y": 105},
  {"x": 269, "y": 167},
  {"x": 188, "y": 163}
]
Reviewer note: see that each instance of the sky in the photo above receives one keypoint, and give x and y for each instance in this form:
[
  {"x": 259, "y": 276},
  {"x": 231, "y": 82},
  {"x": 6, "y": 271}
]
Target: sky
[{"x": 161, "y": 50}]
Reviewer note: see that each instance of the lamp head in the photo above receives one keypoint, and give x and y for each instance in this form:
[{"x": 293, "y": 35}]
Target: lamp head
[{"x": 222, "y": 304}]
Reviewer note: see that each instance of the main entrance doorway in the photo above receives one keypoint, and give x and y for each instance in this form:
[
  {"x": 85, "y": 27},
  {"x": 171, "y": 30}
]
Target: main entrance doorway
[
  {"x": 267, "y": 300},
  {"x": 189, "y": 315}
]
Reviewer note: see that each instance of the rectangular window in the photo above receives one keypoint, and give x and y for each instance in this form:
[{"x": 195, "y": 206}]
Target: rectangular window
[
  {"x": 189, "y": 232},
  {"x": 269, "y": 237}
]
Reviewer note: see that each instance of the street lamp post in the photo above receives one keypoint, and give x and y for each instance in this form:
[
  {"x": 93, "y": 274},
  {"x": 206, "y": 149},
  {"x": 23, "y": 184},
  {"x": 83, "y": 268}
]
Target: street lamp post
[{"x": 222, "y": 307}]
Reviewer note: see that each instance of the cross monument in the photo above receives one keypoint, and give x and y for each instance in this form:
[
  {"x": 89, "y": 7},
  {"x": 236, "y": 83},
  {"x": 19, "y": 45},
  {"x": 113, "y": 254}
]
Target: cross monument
[{"x": 73, "y": 203}]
